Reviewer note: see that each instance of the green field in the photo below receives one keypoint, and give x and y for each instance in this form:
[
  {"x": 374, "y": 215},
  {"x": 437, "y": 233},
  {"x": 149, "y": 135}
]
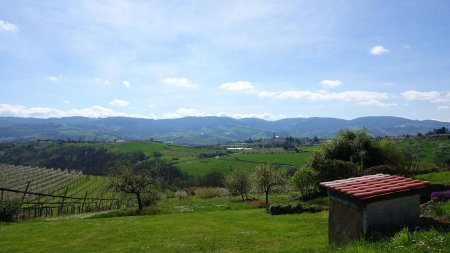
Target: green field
[
  {"x": 436, "y": 177},
  {"x": 208, "y": 226},
  {"x": 425, "y": 147},
  {"x": 188, "y": 160},
  {"x": 228, "y": 231}
]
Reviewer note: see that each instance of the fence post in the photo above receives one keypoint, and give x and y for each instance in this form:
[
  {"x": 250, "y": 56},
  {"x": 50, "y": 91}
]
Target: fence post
[
  {"x": 26, "y": 190},
  {"x": 84, "y": 201},
  {"x": 62, "y": 202}
]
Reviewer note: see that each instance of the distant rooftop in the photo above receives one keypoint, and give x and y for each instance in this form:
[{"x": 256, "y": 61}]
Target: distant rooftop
[{"x": 372, "y": 186}]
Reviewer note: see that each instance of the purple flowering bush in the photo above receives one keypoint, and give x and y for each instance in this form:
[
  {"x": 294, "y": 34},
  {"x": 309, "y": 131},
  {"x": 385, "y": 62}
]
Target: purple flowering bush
[{"x": 441, "y": 196}]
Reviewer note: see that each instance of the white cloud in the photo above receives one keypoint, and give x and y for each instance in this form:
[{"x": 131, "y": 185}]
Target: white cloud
[
  {"x": 421, "y": 95},
  {"x": 238, "y": 86},
  {"x": 54, "y": 78},
  {"x": 378, "y": 103},
  {"x": 264, "y": 115},
  {"x": 358, "y": 96},
  {"x": 448, "y": 95},
  {"x": 95, "y": 111},
  {"x": 184, "y": 112},
  {"x": 442, "y": 107},
  {"x": 378, "y": 50},
  {"x": 8, "y": 27},
  {"x": 327, "y": 84},
  {"x": 179, "y": 82},
  {"x": 119, "y": 103},
  {"x": 126, "y": 83},
  {"x": 267, "y": 94},
  {"x": 67, "y": 102},
  {"x": 102, "y": 81}
]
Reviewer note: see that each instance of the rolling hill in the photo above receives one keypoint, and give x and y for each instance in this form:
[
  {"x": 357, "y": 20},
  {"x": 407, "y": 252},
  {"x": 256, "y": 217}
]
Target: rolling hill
[{"x": 200, "y": 130}]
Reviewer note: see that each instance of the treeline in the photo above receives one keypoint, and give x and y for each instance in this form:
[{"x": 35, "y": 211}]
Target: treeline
[
  {"x": 90, "y": 160},
  {"x": 99, "y": 161},
  {"x": 288, "y": 143}
]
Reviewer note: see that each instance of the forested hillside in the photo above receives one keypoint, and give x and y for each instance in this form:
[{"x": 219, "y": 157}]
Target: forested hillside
[{"x": 201, "y": 130}]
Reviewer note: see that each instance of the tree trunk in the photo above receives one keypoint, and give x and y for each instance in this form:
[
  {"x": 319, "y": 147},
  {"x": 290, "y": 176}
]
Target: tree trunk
[
  {"x": 242, "y": 196},
  {"x": 138, "y": 196},
  {"x": 267, "y": 201}
]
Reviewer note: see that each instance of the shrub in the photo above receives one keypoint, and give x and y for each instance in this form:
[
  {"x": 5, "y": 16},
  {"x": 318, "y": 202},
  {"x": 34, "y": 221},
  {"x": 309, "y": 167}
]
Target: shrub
[
  {"x": 151, "y": 198},
  {"x": 9, "y": 209},
  {"x": 305, "y": 180},
  {"x": 288, "y": 209},
  {"x": 385, "y": 169},
  {"x": 441, "y": 196},
  {"x": 329, "y": 169},
  {"x": 210, "y": 192},
  {"x": 404, "y": 237}
]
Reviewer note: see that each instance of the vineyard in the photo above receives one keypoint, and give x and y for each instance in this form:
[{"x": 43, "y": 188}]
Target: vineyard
[{"x": 46, "y": 192}]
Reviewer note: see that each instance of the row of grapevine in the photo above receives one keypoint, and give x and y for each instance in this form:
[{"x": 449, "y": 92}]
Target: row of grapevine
[
  {"x": 34, "y": 179},
  {"x": 44, "y": 192}
]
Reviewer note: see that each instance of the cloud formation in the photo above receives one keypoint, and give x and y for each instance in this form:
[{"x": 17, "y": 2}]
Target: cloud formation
[
  {"x": 378, "y": 50},
  {"x": 126, "y": 83},
  {"x": 238, "y": 86},
  {"x": 185, "y": 112},
  {"x": 420, "y": 95},
  {"x": 54, "y": 78},
  {"x": 119, "y": 103},
  {"x": 179, "y": 82},
  {"x": 362, "y": 97},
  {"x": 8, "y": 27},
  {"x": 101, "y": 81},
  {"x": 327, "y": 84},
  {"x": 95, "y": 111}
]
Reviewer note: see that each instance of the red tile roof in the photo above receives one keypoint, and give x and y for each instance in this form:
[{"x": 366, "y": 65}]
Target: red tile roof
[{"x": 374, "y": 185}]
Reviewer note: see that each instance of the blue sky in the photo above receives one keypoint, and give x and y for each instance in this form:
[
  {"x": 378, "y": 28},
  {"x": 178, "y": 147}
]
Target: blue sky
[{"x": 264, "y": 59}]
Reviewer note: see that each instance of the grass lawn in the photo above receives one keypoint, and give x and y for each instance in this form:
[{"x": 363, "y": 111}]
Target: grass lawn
[
  {"x": 226, "y": 231},
  {"x": 436, "y": 177}
]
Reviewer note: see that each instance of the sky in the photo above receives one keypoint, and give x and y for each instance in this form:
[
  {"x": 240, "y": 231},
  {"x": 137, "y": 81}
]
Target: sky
[{"x": 258, "y": 59}]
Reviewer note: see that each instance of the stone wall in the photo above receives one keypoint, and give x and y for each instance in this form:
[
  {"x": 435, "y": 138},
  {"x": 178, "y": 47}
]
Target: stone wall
[
  {"x": 345, "y": 221},
  {"x": 389, "y": 216}
]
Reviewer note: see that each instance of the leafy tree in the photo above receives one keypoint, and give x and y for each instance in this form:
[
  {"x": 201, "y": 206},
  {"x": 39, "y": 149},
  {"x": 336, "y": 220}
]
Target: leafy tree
[
  {"x": 305, "y": 180},
  {"x": 391, "y": 153},
  {"x": 355, "y": 146},
  {"x": 212, "y": 179},
  {"x": 268, "y": 179},
  {"x": 238, "y": 183},
  {"x": 142, "y": 181},
  {"x": 162, "y": 168},
  {"x": 331, "y": 169},
  {"x": 442, "y": 156},
  {"x": 410, "y": 160}
]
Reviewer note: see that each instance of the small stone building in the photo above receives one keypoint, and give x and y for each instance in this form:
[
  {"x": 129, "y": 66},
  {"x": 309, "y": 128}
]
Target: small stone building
[{"x": 372, "y": 207}]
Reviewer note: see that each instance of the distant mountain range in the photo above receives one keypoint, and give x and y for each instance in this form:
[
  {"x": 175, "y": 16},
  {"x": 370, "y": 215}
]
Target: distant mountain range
[{"x": 201, "y": 130}]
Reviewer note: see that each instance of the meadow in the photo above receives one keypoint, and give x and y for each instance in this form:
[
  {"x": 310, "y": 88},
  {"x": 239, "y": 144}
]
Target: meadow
[
  {"x": 188, "y": 160},
  {"x": 219, "y": 224},
  {"x": 222, "y": 224}
]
